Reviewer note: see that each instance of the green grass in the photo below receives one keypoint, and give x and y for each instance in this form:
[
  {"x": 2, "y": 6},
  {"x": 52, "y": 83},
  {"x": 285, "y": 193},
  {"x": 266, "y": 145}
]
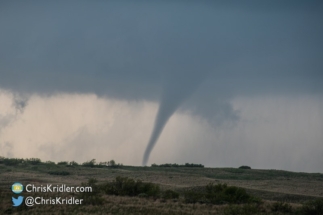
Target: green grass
[{"x": 182, "y": 190}]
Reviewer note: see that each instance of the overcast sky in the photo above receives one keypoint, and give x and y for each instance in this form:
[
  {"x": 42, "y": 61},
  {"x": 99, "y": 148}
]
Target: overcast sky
[{"x": 222, "y": 84}]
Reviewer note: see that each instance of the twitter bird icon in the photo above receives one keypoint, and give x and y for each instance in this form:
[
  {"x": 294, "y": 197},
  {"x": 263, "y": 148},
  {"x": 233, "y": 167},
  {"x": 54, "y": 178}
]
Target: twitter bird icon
[{"x": 17, "y": 201}]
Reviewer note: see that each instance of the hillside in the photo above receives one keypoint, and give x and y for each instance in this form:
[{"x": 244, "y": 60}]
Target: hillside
[{"x": 268, "y": 185}]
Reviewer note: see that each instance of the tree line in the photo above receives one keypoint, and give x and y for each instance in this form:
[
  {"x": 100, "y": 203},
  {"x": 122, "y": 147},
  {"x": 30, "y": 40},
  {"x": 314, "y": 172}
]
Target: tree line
[
  {"x": 178, "y": 165},
  {"x": 37, "y": 161}
]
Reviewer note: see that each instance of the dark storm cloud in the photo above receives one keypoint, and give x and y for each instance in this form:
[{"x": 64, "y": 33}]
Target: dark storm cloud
[
  {"x": 168, "y": 50},
  {"x": 99, "y": 47},
  {"x": 126, "y": 48}
]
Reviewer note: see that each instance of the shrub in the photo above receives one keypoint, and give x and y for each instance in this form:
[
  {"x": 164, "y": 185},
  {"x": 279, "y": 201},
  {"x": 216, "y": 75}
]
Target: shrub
[
  {"x": 194, "y": 197},
  {"x": 50, "y": 163},
  {"x": 124, "y": 186},
  {"x": 178, "y": 165},
  {"x": 281, "y": 207},
  {"x": 111, "y": 163},
  {"x": 94, "y": 197},
  {"x": 244, "y": 167},
  {"x": 142, "y": 195},
  {"x": 73, "y": 163},
  {"x": 33, "y": 161},
  {"x": 220, "y": 194},
  {"x": 62, "y": 163},
  {"x": 90, "y": 163},
  {"x": 193, "y": 165},
  {"x": 58, "y": 173},
  {"x": 102, "y": 164},
  {"x": 247, "y": 209},
  {"x": 12, "y": 161},
  {"x": 149, "y": 188},
  {"x": 314, "y": 207},
  {"x": 170, "y": 194}
]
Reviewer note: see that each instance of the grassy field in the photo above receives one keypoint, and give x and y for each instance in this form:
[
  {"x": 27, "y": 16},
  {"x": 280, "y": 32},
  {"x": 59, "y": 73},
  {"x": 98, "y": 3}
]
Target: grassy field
[{"x": 273, "y": 187}]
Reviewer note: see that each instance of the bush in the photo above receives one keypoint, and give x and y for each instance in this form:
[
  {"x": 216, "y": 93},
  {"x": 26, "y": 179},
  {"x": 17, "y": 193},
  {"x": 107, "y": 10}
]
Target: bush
[
  {"x": 62, "y": 163},
  {"x": 314, "y": 207},
  {"x": 94, "y": 197},
  {"x": 178, "y": 165},
  {"x": 247, "y": 209},
  {"x": 73, "y": 163},
  {"x": 143, "y": 195},
  {"x": 50, "y": 163},
  {"x": 170, "y": 194},
  {"x": 194, "y": 197},
  {"x": 193, "y": 165},
  {"x": 124, "y": 186},
  {"x": 111, "y": 163},
  {"x": 220, "y": 194},
  {"x": 33, "y": 161},
  {"x": 58, "y": 173},
  {"x": 150, "y": 189},
  {"x": 281, "y": 207},
  {"x": 90, "y": 163},
  {"x": 12, "y": 161},
  {"x": 102, "y": 164},
  {"x": 244, "y": 167}
]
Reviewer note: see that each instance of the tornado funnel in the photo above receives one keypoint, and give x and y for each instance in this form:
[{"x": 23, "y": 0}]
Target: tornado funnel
[{"x": 177, "y": 88}]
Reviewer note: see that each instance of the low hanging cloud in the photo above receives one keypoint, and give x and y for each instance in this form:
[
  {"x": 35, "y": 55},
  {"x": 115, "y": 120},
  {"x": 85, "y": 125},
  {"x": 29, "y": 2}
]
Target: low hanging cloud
[{"x": 272, "y": 132}]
